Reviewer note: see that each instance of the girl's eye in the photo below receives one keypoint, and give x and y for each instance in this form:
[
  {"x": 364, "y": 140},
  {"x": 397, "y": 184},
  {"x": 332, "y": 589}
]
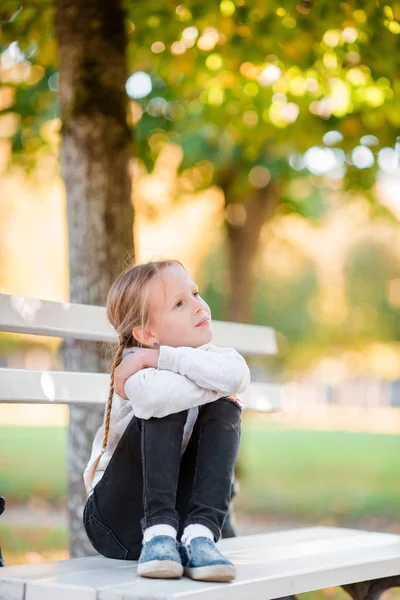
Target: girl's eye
[{"x": 178, "y": 304}]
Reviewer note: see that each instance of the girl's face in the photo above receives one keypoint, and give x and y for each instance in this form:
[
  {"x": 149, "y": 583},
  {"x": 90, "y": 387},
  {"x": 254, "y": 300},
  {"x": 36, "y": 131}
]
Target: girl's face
[{"x": 176, "y": 309}]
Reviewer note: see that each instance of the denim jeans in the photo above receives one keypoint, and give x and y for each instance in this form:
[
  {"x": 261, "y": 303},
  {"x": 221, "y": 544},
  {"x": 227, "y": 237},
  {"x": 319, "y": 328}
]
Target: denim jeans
[{"x": 148, "y": 482}]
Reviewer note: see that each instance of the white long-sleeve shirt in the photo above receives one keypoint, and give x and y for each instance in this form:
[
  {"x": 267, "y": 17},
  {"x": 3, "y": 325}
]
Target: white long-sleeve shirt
[{"x": 185, "y": 378}]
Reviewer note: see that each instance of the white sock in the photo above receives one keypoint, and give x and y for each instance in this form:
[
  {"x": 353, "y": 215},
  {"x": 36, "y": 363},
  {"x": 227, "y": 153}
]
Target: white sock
[
  {"x": 196, "y": 530},
  {"x": 162, "y": 529}
]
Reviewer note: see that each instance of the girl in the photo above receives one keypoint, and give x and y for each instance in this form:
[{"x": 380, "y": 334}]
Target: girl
[{"x": 162, "y": 463}]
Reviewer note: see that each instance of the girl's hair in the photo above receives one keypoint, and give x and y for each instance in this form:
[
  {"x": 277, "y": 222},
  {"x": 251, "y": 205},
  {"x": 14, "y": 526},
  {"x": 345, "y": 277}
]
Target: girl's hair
[{"x": 127, "y": 307}]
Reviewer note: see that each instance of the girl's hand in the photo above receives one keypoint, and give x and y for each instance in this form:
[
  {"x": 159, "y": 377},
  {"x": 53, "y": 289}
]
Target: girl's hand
[
  {"x": 236, "y": 400},
  {"x": 143, "y": 358}
]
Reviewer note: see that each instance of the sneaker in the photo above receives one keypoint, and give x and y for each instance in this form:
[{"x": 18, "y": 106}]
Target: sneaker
[
  {"x": 204, "y": 562},
  {"x": 160, "y": 558}
]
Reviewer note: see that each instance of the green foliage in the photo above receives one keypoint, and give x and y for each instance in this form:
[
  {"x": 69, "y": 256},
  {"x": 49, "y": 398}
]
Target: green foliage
[
  {"x": 312, "y": 206},
  {"x": 238, "y": 84},
  {"x": 30, "y": 81},
  {"x": 324, "y": 56},
  {"x": 370, "y": 270}
]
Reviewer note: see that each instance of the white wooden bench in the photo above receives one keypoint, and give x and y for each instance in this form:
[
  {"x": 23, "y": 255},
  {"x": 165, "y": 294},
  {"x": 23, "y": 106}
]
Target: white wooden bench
[{"x": 269, "y": 566}]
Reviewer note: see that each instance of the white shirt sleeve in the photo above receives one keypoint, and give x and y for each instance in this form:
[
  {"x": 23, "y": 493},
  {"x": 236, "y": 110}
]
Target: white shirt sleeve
[
  {"x": 157, "y": 393},
  {"x": 222, "y": 370}
]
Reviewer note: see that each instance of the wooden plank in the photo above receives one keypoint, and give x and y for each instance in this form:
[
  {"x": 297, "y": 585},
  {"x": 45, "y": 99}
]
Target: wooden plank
[
  {"x": 21, "y": 314},
  {"x": 268, "y": 566},
  {"x": 40, "y": 571},
  {"x": 247, "y": 339},
  {"x": 265, "y": 582},
  {"x": 12, "y": 589},
  {"x": 98, "y": 562},
  {"x": 49, "y": 569},
  {"x": 34, "y": 316},
  {"x": 57, "y": 387},
  {"x": 288, "y": 536},
  {"x": 60, "y": 592},
  {"x": 13, "y": 580},
  {"x": 263, "y": 397},
  {"x": 64, "y": 387}
]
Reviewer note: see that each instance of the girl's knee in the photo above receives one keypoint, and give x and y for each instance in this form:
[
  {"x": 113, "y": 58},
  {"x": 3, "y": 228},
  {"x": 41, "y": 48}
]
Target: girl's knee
[
  {"x": 224, "y": 407},
  {"x": 227, "y": 401},
  {"x": 179, "y": 417}
]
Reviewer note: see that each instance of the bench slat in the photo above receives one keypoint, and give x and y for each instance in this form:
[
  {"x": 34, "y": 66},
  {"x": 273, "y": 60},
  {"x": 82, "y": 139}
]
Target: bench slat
[
  {"x": 64, "y": 387},
  {"x": 98, "y": 562},
  {"x": 20, "y": 314},
  {"x": 265, "y": 582},
  {"x": 269, "y": 566}
]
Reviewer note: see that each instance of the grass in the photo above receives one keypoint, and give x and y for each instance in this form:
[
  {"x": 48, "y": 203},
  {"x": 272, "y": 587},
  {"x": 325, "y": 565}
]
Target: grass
[
  {"x": 295, "y": 473},
  {"x": 22, "y": 545},
  {"x": 23, "y": 539},
  {"x": 307, "y": 474},
  {"x": 33, "y": 463}
]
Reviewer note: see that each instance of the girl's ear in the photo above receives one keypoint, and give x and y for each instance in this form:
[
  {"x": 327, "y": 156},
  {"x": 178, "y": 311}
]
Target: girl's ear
[{"x": 144, "y": 337}]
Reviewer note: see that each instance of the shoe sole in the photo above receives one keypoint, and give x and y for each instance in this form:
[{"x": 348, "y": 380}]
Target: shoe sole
[
  {"x": 224, "y": 573},
  {"x": 160, "y": 569}
]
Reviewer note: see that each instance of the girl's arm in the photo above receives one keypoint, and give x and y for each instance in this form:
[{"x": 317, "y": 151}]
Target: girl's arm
[
  {"x": 157, "y": 393},
  {"x": 223, "y": 370}
]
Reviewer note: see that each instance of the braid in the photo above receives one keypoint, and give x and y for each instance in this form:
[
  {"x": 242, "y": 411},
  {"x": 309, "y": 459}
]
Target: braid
[{"x": 107, "y": 413}]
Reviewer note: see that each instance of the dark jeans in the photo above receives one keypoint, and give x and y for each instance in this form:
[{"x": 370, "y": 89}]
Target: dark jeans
[{"x": 147, "y": 482}]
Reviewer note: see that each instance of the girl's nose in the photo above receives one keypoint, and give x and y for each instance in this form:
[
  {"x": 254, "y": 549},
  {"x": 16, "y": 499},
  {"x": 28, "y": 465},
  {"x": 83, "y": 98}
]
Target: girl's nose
[{"x": 197, "y": 305}]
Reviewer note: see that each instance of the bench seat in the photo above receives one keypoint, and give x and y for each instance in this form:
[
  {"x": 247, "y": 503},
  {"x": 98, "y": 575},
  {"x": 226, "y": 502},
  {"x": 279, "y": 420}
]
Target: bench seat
[{"x": 269, "y": 566}]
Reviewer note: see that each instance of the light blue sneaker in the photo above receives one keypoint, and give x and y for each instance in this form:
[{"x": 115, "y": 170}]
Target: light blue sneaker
[
  {"x": 160, "y": 558},
  {"x": 204, "y": 562}
]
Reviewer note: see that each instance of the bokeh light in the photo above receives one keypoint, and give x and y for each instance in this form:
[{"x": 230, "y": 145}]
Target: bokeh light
[{"x": 139, "y": 85}]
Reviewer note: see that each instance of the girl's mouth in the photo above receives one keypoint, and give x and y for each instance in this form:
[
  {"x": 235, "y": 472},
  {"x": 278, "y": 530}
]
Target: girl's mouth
[{"x": 203, "y": 322}]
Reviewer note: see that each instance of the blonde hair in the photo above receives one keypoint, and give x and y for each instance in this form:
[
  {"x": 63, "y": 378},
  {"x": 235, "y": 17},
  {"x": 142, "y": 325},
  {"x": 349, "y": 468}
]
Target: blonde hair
[{"x": 127, "y": 307}]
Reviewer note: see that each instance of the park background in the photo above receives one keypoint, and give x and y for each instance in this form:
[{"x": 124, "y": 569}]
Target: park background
[{"x": 265, "y": 156}]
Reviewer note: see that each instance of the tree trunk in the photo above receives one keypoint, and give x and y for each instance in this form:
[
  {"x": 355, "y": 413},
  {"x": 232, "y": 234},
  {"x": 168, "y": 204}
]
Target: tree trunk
[
  {"x": 95, "y": 154},
  {"x": 243, "y": 244}
]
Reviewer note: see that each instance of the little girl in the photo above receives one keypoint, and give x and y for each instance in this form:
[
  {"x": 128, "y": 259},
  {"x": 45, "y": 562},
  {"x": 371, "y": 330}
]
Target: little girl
[{"x": 162, "y": 463}]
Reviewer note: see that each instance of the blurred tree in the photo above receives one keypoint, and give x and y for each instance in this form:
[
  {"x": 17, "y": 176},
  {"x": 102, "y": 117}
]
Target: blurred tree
[{"x": 95, "y": 151}]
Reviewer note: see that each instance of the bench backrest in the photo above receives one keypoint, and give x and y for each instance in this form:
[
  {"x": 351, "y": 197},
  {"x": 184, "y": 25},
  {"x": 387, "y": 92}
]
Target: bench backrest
[{"x": 34, "y": 316}]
